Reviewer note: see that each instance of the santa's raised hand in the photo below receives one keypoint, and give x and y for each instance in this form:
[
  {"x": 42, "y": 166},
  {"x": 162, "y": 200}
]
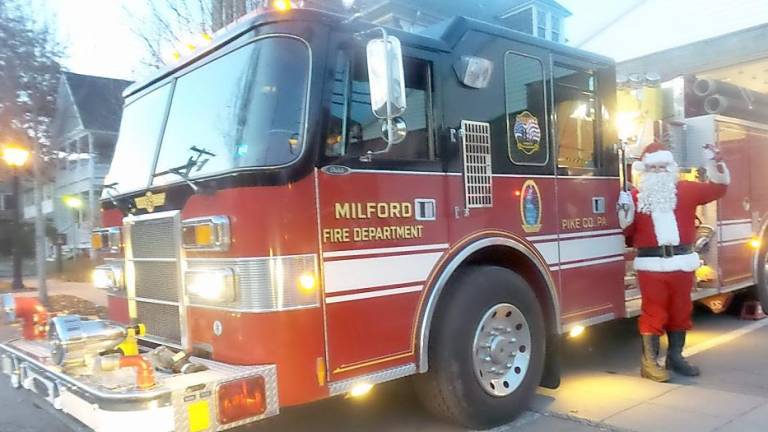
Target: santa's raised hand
[
  {"x": 625, "y": 207},
  {"x": 717, "y": 171}
]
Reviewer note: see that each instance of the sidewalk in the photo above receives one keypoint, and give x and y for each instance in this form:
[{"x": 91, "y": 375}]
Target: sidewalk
[
  {"x": 627, "y": 403},
  {"x": 84, "y": 290}
]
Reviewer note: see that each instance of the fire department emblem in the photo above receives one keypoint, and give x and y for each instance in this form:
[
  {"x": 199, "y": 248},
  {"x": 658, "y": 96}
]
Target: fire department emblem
[
  {"x": 527, "y": 133},
  {"x": 530, "y": 207},
  {"x": 149, "y": 201}
]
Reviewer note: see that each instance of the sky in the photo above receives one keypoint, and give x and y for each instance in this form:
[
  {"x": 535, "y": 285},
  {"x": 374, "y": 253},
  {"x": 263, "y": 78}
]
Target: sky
[
  {"x": 97, "y": 35},
  {"x": 100, "y": 39}
]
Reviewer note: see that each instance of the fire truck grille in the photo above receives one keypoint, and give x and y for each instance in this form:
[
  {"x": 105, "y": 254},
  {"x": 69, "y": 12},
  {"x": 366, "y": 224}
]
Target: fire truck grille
[
  {"x": 155, "y": 255},
  {"x": 153, "y": 239},
  {"x": 161, "y": 320},
  {"x": 157, "y": 280}
]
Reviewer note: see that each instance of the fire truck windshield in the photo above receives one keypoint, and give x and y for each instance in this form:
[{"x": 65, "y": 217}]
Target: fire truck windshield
[{"x": 247, "y": 107}]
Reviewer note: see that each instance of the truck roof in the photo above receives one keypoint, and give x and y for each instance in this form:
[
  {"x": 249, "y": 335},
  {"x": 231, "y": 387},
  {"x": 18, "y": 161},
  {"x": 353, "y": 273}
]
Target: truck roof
[{"x": 442, "y": 36}]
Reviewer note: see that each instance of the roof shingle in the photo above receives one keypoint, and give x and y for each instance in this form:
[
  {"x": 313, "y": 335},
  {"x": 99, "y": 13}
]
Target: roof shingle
[{"x": 98, "y": 100}]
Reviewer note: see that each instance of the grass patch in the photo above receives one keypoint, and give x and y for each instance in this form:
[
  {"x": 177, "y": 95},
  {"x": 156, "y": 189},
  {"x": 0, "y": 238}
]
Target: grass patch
[{"x": 62, "y": 304}]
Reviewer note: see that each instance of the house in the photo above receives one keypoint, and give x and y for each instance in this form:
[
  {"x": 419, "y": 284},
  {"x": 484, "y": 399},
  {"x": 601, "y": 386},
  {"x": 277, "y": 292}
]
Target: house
[
  {"x": 84, "y": 134},
  {"x": 541, "y": 18}
]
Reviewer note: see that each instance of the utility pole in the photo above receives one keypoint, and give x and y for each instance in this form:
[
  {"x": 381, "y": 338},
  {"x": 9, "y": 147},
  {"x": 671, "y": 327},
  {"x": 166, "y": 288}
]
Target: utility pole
[
  {"x": 40, "y": 243},
  {"x": 16, "y": 156},
  {"x": 17, "y": 284}
]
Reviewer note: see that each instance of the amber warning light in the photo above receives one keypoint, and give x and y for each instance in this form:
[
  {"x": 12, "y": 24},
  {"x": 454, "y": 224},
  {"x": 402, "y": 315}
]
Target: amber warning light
[{"x": 241, "y": 399}]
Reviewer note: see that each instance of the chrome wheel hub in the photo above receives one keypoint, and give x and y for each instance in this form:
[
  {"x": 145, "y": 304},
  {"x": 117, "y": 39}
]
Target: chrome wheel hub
[{"x": 501, "y": 349}]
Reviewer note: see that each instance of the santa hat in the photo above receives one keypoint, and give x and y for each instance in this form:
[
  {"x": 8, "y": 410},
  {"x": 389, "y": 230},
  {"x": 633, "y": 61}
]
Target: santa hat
[{"x": 654, "y": 154}]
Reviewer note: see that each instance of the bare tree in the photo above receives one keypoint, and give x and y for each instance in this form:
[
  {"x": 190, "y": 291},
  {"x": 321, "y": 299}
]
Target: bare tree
[
  {"x": 29, "y": 75},
  {"x": 167, "y": 27},
  {"x": 170, "y": 27},
  {"x": 29, "y": 78}
]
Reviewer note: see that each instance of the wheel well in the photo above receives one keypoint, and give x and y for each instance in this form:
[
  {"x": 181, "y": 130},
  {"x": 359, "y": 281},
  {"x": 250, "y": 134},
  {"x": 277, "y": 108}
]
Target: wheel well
[
  {"x": 512, "y": 259},
  {"x": 502, "y": 252}
]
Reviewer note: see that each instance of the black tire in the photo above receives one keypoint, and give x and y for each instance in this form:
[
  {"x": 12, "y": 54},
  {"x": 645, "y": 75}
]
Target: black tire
[
  {"x": 451, "y": 389},
  {"x": 761, "y": 273}
]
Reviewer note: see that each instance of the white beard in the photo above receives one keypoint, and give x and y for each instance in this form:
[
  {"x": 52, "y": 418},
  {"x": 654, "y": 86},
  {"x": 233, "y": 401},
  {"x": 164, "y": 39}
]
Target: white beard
[
  {"x": 657, "y": 191},
  {"x": 657, "y": 196}
]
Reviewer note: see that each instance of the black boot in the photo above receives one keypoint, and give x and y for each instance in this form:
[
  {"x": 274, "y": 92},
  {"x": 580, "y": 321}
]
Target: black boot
[
  {"x": 649, "y": 366},
  {"x": 675, "y": 360}
]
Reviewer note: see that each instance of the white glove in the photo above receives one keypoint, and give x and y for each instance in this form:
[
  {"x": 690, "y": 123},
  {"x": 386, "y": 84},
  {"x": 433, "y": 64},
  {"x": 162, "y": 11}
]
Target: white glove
[
  {"x": 625, "y": 207},
  {"x": 717, "y": 171}
]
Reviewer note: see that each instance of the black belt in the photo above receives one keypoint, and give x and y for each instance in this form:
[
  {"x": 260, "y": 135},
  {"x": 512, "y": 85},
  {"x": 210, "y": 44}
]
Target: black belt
[{"x": 664, "y": 251}]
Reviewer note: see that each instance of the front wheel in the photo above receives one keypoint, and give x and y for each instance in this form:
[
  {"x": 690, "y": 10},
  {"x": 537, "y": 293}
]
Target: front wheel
[{"x": 486, "y": 351}]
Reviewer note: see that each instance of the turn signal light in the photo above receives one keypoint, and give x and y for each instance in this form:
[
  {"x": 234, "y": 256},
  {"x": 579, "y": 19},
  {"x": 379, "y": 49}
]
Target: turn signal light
[
  {"x": 307, "y": 282},
  {"x": 96, "y": 242},
  {"x": 755, "y": 243},
  {"x": 207, "y": 233},
  {"x": 241, "y": 399},
  {"x": 107, "y": 239},
  {"x": 576, "y": 331},
  {"x": 360, "y": 390},
  {"x": 282, "y": 5}
]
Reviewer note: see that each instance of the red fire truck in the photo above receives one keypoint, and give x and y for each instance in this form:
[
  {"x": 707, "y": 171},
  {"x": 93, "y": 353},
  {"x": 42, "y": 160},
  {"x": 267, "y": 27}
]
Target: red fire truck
[{"x": 313, "y": 205}]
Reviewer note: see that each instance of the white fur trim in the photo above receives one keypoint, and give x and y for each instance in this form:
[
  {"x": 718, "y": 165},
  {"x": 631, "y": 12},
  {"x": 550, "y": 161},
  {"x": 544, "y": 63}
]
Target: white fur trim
[
  {"x": 659, "y": 157},
  {"x": 687, "y": 263},
  {"x": 665, "y": 227},
  {"x": 716, "y": 176}
]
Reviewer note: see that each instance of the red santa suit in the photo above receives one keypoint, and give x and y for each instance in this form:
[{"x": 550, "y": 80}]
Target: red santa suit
[{"x": 666, "y": 262}]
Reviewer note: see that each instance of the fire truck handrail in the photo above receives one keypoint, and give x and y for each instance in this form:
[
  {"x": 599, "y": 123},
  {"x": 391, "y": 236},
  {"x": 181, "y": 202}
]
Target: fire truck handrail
[{"x": 457, "y": 260}]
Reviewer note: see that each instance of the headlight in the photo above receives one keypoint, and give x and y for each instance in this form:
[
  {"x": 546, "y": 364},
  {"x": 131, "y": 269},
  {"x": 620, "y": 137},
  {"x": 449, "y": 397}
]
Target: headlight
[
  {"x": 107, "y": 239},
  {"x": 211, "y": 286},
  {"x": 206, "y": 234},
  {"x": 108, "y": 277}
]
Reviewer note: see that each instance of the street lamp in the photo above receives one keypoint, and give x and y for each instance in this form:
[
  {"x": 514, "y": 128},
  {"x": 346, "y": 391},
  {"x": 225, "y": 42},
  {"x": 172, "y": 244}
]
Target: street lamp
[
  {"x": 75, "y": 203},
  {"x": 16, "y": 156}
]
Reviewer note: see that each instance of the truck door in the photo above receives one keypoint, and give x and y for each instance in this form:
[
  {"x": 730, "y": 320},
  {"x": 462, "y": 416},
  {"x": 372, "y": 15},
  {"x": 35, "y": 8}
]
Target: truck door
[
  {"x": 382, "y": 219},
  {"x": 512, "y": 110},
  {"x": 591, "y": 244}
]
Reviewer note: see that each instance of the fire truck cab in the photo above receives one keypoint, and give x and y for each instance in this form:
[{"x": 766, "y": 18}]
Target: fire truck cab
[{"x": 320, "y": 205}]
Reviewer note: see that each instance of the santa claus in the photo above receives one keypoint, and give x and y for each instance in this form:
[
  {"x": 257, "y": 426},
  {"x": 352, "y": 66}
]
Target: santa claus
[{"x": 659, "y": 218}]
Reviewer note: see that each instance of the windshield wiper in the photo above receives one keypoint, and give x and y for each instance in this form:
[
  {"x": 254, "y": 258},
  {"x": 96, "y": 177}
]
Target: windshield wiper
[
  {"x": 113, "y": 187},
  {"x": 185, "y": 170}
]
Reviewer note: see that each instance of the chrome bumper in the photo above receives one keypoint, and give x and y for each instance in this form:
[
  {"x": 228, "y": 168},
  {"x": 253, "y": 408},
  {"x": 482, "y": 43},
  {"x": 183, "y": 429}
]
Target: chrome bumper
[{"x": 104, "y": 406}]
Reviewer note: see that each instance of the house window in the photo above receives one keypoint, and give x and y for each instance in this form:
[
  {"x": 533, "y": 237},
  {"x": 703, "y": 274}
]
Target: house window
[
  {"x": 555, "y": 30},
  {"x": 520, "y": 21},
  {"x": 541, "y": 23}
]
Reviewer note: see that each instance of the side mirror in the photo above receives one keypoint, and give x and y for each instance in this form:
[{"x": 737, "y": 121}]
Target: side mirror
[
  {"x": 386, "y": 77},
  {"x": 398, "y": 133}
]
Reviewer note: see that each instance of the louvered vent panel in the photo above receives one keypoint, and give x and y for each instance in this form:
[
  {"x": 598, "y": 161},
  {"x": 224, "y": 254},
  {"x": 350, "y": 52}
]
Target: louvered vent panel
[{"x": 476, "y": 137}]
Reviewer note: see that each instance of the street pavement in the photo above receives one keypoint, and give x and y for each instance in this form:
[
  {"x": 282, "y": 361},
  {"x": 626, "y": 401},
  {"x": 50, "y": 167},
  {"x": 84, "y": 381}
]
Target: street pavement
[{"x": 601, "y": 389}]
